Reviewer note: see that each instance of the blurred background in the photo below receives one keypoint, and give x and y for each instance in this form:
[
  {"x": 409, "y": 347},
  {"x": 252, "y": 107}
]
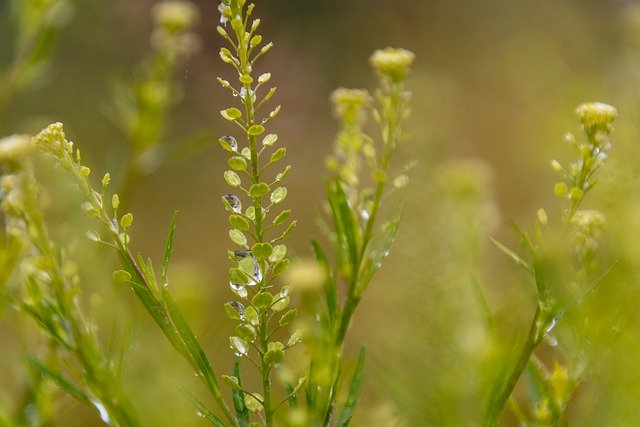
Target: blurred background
[{"x": 495, "y": 85}]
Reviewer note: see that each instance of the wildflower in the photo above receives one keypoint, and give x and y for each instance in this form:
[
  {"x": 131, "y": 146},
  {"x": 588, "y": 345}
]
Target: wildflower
[
  {"x": 14, "y": 147},
  {"x": 225, "y": 12},
  {"x": 392, "y": 62},
  {"x": 175, "y": 15},
  {"x": 350, "y": 103},
  {"x": 596, "y": 114}
]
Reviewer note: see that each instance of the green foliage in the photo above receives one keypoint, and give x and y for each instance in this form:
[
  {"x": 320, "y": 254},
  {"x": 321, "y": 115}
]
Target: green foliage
[
  {"x": 291, "y": 317},
  {"x": 563, "y": 273}
]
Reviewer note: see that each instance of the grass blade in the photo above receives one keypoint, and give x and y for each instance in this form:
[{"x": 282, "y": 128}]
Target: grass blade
[
  {"x": 168, "y": 248},
  {"x": 242, "y": 412},
  {"x": 201, "y": 409},
  {"x": 346, "y": 226},
  {"x": 374, "y": 263},
  {"x": 354, "y": 391},
  {"x": 62, "y": 382},
  {"x": 330, "y": 283},
  {"x": 196, "y": 353},
  {"x": 514, "y": 256}
]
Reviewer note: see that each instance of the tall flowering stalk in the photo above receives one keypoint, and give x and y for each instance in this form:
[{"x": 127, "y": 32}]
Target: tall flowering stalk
[
  {"x": 48, "y": 294},
  {"x": 154, "y": 294},
  {"x": 563, "y": 266},
  {"x": 360, "y": 183},
  {"x": 259, "y": 230}
]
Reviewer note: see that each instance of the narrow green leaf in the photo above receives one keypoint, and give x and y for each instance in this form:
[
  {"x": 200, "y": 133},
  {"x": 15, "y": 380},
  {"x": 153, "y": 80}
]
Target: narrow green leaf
[
  {"x": 62, "y": 382},
  {"x": 242, "y": 413},
  {"x": 168, "y": 246},
  {"x": 354, "y": 391},
  {"x": 345, "y": 223},
  {"x": 388, "y": 235},
  {"x": 514, "y": 256},
  {"x": 330, "y": 283},
  {"x": 484, "y": 306},
  {"x": 201, "y": 409},
  {"x": 197, "y": 355}
]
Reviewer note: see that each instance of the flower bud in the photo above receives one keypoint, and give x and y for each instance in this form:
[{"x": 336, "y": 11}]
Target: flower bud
[
  {"x": 394, "y": 63},
  {"x": 596, "y": 114}
]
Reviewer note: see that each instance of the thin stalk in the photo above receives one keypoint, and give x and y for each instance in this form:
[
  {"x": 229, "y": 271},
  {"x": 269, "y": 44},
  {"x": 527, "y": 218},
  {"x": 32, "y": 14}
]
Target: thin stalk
[
  {"x": 265, "y": 371},
  {"x": 533, "y": 339}
]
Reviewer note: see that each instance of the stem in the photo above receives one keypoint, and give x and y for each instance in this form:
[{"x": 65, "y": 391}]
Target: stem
[
  {"x": 533, "y": 339},
  {"x": 265, "y": 370}
]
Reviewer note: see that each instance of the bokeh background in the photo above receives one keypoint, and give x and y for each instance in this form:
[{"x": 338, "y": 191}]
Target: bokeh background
[{"x": 495, "y": 85}]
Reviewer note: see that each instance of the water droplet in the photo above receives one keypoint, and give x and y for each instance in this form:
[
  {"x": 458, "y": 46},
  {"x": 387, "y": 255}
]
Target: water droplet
[
  {"x": 552, "y": 340},
  {"x": 551, "y": 326},
  {"x": 364, "y": 214},
  {"x": 234, "y": 201},
  {"x": 104, "y": 415},
  {"x": 257, "y": 274},
  {"x": 231, "y": 141},
  {"x": 238, "y": 306},
  {"x": 199, "y": 414}
]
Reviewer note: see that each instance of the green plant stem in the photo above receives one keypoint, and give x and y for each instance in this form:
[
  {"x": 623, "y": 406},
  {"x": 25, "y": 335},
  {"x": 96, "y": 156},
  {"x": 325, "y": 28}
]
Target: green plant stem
[
  {"x": 82, "y": 345},
  {"x": 533, "y": 339},
  {"x": 210, "y": 384},
  {"x": 159, "y": 305},
  {"x": 265, "y": 370}
]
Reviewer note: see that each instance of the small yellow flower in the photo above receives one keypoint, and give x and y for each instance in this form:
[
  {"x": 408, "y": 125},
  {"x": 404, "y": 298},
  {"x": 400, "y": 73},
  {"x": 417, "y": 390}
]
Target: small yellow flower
[
  {"x": 596, "y": 114},
  {"x": 175, "y": 15},
  {"x": 350, "y": 104},
  {"x": 392, "y": 62},
  {"x": 14, "y": 147}
]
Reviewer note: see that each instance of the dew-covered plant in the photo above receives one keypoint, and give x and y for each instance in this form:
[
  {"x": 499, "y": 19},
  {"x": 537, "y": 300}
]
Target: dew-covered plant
[
  {"x": 361, "y": 233},
  {"x": 561, "y": 260},
  {"x": 355, "y": 195}
]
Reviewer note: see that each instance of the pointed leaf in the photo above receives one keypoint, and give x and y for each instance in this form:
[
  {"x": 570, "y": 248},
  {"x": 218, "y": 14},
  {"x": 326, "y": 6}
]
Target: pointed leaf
[
  {"x": 330, "y": 283},
  {"x": 168, "y": 248},
  {"x": 345, "y": 223},
  {"x": 62, "y": 382},
  {"x": 196, "y": 354},
  {"x": 388, "y": 235},
  {"x": 201, "y": 408},
  {"x": 354, "y": 391},
  {"x": 514, "y": 256},
  {"x": 242, "y": 412}
]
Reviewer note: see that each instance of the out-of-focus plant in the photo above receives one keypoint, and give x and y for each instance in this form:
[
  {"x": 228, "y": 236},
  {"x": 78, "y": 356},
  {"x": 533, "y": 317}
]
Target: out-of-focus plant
[
  {"x": 142, "y": 106},
  {"x": 563, "y": 266},
  {"x": 355, "y": 197},
  {"x": 361, "y": 232},
  {"x": 35, "y": 25},
  {"x": 361, "y": 238},
  {"x": 49, "y": 295}
]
